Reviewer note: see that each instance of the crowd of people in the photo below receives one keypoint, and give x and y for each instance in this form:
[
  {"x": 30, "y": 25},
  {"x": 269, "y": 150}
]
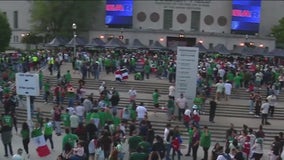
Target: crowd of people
[{"x": 95, "y": 128}]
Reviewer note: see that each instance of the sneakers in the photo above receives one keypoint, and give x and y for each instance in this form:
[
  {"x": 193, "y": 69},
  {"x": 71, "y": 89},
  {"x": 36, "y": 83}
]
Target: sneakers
[
  {"x": 256, "y": 115},
  {"x": 187, "y": 155}
]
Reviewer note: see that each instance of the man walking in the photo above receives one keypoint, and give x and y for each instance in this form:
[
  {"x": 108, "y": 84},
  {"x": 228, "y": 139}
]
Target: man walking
[
  {"x": 213, "y": 106},
  {"x": 264, "y": 111},
  {"x": 181, "y": 104},
  {"x": 228, "y": 89},
  {"x": 272, "y": 100}
]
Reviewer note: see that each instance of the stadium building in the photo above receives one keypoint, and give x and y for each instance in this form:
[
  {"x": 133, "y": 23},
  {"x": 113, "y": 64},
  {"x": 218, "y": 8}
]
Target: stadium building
[{"x": 171, "y": 22}]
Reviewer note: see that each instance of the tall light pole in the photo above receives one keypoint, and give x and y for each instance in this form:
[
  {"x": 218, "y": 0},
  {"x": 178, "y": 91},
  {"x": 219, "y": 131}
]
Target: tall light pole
[{"x": 74, "y": 27}]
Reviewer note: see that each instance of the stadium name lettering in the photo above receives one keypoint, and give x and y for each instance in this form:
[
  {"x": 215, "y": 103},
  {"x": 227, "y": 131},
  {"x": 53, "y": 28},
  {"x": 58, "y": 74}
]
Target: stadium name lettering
[
  {"x": 118, "y": 7},
  {"x": 244, "y": 13}
]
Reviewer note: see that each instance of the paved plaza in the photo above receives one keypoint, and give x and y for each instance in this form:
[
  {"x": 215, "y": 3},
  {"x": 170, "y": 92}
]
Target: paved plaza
[{"x": 17, "y": 141}]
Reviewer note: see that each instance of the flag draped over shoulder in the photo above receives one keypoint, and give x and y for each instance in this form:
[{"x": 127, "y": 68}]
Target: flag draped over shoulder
[{"x": 38, "y": 139}]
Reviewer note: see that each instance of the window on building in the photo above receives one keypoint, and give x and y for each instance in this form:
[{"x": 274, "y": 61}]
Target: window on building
[
  {"x": 151, "y": 42},
  {"x": 5, "y": 14},
  {"x": 168, "y": 19},
  {"x": 16, "y": 19},
  {"x": 195, "y": 20},
  {"x": 211, "y": 46},
  {"x": 126, "y": 41},
  {"x": 15, "y": 39}
]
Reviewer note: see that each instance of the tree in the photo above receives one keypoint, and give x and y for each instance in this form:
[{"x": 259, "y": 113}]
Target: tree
[
  {"x": 5, "y": 32},
  {"x": 58, "y": 16},
  {"x": 278, "y": 31}
]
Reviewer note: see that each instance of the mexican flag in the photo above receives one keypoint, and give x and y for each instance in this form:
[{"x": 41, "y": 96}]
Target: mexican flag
[{"x": 39, "y": 141}]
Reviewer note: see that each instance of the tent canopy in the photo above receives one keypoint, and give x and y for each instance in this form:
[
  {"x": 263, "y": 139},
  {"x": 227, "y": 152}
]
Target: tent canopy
[
  {"x": 238, "y": 50},
  {"x": 136, "y": 44},
  {"x": 56, "y": 42},
  {"x": 221, "y": 48},
  {"x": 202, "y": 49},
  {"x": 78, "y": 41},
  {"x": 114, "y": 43},
  {"x": 276, "y": 52},
  {"x": 157, "y": 46},
  {"x": 96, "y": 42}
]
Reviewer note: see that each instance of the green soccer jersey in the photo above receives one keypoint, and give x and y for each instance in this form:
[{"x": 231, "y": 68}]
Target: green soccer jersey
[
  {"x": 70, "y": 138},
  {"x": 7, "y": 119},
  {"x": 155, "y": 97},
  {"x": 65, "y": 117},
  {"x": 48, "y": 129}
]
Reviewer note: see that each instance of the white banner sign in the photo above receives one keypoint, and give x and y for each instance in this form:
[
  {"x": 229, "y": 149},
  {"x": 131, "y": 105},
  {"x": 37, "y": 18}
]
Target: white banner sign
[
  {"x": 27, "y": 84},
  {"x": 186, "y": 72}
]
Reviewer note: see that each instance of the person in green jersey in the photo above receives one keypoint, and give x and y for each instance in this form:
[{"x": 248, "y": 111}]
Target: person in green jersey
[
  {"x": 6, "y": 136},
  {"x": 102, "y": 115},
  {"x": 138, "y": 155},
  {"x": 145, "y": 146},
  {"x": 190, "y": 135},
  {"x": 69, "y": 138},
  {"x": 205, "y": 141},
  {"x": 147, "y": 70},
  {"x": 237, "y": 81},
  {"x": 155, "y": 97},
  {"x": 96, "y": 117},
  {"x": 47, "y": 131},
  {"x": 7, "y": 120},
  {"x": 133, "y": 142},
  {"x": 68, "y": 76},
  {"x": 25, "y": 134},
  {"x": 65, "y": 118},
  {"x": 171, "y": 108},
  {"x": 46, "y": 88},
  {"x": 230, "y": 76}
]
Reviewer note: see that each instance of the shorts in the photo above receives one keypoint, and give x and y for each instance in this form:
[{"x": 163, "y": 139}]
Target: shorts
[{"x": 156, "y": 105}]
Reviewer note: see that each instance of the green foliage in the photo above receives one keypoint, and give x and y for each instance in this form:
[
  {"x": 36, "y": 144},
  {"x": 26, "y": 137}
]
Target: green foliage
[
  {"x": 278, "y": 31},
  {"x": 5, "y": 32},
  {"x": 59, "y": 16}
]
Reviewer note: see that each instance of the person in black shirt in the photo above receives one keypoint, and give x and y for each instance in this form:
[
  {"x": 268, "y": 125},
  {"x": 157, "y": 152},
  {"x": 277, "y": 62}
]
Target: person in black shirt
[
  {"x": 159, "y": 146},
  {"x": 213, "y": 106},
  {"x": 276, "y": 147},
  {"x": 281, "y": 137}
]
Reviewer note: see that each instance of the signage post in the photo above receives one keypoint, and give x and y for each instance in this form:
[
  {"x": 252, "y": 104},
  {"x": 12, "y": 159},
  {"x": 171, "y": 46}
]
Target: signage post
[
  {"x": 186, "y": 73},
  {"x": 27, "y": 84}
]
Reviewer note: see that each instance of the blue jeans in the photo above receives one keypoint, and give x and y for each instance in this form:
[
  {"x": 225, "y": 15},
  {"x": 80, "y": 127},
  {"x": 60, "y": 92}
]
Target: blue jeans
[
  {"x": 251, "y": 105},
  {"x": 70, "y": 102},
  {"x": 168, "y": 150},
  {"x": 96, "y": 74}
]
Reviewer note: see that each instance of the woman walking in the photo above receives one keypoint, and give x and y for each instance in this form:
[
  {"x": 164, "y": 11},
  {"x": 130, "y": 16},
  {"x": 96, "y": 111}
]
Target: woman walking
[{"x": 25, "y": 133}]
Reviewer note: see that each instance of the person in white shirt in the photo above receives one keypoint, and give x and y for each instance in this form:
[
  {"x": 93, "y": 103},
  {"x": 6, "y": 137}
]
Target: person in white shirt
[
  {"x": 181, "y": 104},
  {"x": 219, "y": 89},
  {"x": 221, "y": 73},
  {"x": 74, "y": 122},
  {"x": 264, "y": 111},
  {"x": 272, "y": 100},
  {"x": 102, "y": 87},
  {"x": 88, "y": 104},
  {"x": 228, "y": 89},
  {"x": 172, "y": 90},
  {"x": 132, "y": 94},
  {"x": 257, "y": 148},
  {"x": 18, "y": 155},
  {"x": 167, "y": 140},
  {"x": 141, "y": 112},
  {"x": 80, "y": 111}
]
